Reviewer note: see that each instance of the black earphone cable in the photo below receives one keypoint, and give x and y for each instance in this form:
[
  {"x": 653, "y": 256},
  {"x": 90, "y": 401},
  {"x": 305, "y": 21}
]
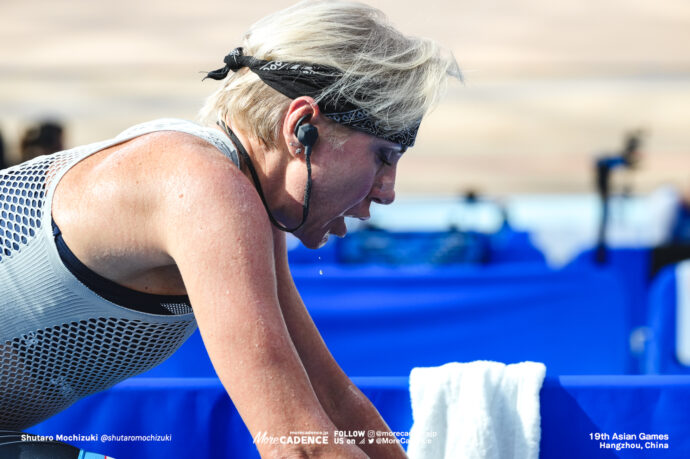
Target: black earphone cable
[{"x": 245, "y": 157}]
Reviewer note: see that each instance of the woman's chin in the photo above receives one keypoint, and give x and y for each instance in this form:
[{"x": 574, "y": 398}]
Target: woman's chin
[
  {"x": 324, "y": 240},
  {"x": 316, "y": 240},
  {"x": 312, "y": 241}
]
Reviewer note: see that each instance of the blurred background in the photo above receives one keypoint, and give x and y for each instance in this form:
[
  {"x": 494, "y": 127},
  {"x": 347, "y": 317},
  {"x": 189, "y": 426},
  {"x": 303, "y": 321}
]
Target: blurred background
[{"x": 548, "y": 85}]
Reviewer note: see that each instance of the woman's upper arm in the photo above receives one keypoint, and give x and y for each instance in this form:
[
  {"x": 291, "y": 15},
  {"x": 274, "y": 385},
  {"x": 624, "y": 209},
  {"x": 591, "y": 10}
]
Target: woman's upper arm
[{"x": 214, "y": 228}]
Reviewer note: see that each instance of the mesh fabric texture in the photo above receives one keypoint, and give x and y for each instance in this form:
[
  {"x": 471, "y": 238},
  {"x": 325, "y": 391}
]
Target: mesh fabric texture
[{"x": 60, "y": 341}]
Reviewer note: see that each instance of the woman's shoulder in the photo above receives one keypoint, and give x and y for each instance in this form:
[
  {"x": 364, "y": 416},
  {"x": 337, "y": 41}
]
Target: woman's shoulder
[
  {"x": 158, "y": 173},
  {"x": 136, "y": 197},
  {"x": 208, "y": 198},
  {"x": 179, "y": 167}
]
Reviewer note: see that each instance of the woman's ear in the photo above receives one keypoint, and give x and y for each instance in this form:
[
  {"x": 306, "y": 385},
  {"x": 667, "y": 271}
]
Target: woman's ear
[{"x": 303, "y": 108}]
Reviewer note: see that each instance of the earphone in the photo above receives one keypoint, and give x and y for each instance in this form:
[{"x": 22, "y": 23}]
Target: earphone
[{"x": 307, "y": 134}]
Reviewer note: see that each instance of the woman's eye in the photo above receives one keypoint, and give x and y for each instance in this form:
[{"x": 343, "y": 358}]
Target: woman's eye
[{"x": 383, "y": 157}]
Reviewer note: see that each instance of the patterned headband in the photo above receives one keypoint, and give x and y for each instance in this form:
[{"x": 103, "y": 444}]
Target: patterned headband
[{"x": 294, "y": 80}]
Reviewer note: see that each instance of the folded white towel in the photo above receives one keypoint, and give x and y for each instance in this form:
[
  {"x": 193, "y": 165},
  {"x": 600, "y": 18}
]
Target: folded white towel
[{"x": 481, "y": 409}]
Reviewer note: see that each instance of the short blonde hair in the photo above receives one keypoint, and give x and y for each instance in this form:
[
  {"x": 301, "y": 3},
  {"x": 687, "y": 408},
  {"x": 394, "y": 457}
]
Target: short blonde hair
[{"x": 409, "y": 73}]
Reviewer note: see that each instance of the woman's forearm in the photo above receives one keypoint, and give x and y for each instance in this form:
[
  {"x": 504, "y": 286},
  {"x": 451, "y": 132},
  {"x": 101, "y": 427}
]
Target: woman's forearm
[
  {"x": 342, "y": 401},
  {"x": 351, "y": 411}
]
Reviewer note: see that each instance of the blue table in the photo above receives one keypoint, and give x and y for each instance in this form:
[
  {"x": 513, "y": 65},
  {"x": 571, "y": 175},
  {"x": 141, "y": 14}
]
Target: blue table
[{"x": 201, "y": 422}]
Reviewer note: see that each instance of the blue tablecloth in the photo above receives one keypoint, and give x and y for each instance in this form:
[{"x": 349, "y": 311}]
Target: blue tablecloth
[{"x": 201, "y": 422}]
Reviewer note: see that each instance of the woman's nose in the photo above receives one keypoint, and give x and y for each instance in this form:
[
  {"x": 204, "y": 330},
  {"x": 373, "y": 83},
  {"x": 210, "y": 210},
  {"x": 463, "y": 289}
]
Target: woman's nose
[{"x": 383, "y": 191}]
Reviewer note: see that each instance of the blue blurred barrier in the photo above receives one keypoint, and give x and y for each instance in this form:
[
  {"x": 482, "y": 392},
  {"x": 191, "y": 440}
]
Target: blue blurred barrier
[
  {"x": 422, "y": 247},
  {"x": 510, "y": 246},
  {"x": 632, "y": 266},
  {"x": 383, "y": 321},
  {"x": 413, "y": 248},
  {"x": 195, "y": 418},
  {"x": 668, "y": 346}
]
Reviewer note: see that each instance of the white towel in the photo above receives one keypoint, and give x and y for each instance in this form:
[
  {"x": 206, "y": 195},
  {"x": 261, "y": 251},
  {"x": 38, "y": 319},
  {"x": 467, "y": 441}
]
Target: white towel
[{"x": 481, "y": 409}]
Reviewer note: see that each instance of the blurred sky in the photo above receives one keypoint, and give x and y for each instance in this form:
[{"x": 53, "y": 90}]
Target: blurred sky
[{"x": 548, "y": 84}]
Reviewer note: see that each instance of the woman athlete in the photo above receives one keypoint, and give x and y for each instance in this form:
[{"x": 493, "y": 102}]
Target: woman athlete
[{"x": 112, "y": 253}]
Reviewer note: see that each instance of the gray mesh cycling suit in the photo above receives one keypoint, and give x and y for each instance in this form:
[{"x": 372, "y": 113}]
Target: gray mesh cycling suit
[{"x": 59, "y": 340}]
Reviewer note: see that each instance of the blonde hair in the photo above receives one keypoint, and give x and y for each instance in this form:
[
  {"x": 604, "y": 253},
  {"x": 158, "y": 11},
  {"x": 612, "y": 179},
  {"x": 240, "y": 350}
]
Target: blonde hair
[{"x": 408, "y": 73}]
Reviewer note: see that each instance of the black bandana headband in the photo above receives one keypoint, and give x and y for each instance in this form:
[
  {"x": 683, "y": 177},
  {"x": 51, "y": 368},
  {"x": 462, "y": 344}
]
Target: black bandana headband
[{"x": 295, "y": 79}]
